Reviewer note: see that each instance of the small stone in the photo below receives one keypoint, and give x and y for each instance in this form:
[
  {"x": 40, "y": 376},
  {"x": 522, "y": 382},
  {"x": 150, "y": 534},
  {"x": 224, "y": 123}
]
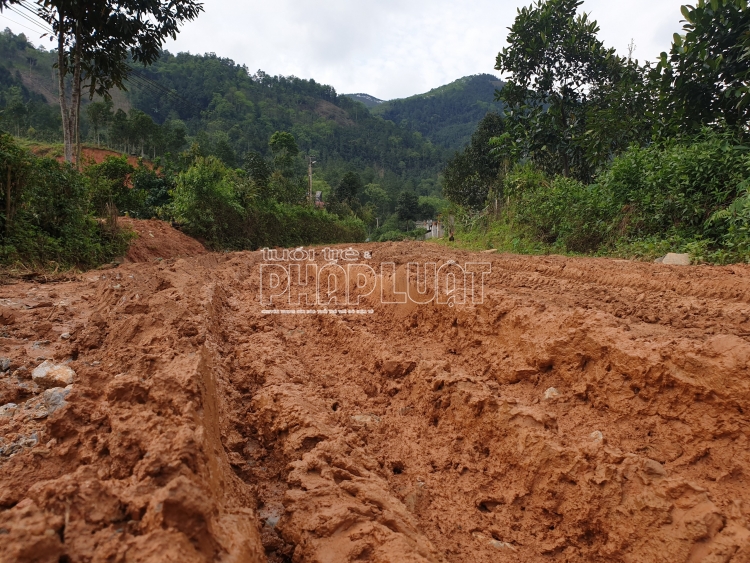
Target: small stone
[
  {"x": 5, "y": 364},
  {"x": 366, "y": 418},
  {"x": 674, "y": 259},
  {"x": 40, "y": 344},
  {"x": 65, "y": 335},
  {"x": 551, "y": 393},
  {"x": 597, "y": 436},
  {"x": 503, "y": 545},
  {"x": 55, "y": 398},
  {"x": 652, "y": 467},
  {"x": 31, "y": 441},
  {"x": 48, "y": 374},
  {"x": 8, "y": 409}
]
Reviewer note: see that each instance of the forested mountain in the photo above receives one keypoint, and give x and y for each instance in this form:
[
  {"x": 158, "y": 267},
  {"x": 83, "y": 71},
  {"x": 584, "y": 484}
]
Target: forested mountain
[
  {"x": 447, "y": 115},
  {"x": 228, "y": 112}
]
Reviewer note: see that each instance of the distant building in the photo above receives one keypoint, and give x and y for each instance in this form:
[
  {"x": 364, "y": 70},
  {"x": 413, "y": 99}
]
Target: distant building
[
  {"x": 434, "y": 228},
  {"x": 319, "y": 200}
]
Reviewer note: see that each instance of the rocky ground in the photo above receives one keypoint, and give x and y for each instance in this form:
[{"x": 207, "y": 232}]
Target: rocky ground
[{"x": 586, "y": 410}]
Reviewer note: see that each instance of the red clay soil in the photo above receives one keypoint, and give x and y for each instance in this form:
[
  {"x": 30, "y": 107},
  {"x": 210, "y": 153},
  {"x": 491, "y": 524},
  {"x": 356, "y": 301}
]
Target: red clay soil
[
  {"x": 200, "y": 429},
  {"x": 93, "y": 155},
  {"x": 158, "y": 240}
]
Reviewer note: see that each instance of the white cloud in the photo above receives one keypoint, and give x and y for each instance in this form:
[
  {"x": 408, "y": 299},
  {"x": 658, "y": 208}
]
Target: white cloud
[{"x": 391, "y": 48}]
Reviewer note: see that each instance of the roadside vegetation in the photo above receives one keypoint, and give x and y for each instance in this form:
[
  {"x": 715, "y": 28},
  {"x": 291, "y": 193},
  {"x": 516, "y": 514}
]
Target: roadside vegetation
[{"x": 599, "y": 154}]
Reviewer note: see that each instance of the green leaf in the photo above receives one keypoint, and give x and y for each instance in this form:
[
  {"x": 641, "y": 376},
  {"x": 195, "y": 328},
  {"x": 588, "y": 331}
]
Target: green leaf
[{"x": 686, "y": 13}]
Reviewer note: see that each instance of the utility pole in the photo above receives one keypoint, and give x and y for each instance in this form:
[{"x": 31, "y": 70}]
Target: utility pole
[{"x": 310, "y": 194}]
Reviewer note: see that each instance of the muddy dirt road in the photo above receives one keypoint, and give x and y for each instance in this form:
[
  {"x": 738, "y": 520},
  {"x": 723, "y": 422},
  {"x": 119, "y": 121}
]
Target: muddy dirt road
[{"x": 587, "y": 410}]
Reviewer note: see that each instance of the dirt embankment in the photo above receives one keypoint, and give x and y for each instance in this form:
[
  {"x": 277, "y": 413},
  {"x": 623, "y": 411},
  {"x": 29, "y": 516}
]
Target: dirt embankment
[
  {"x": 89, "y": 155},
  {"x": 158, "y": 240},
  {"x": 588, "y": 410}
]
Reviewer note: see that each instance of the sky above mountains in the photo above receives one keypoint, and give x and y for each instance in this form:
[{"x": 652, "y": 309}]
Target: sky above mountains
[{"x": 392, "y": 48}]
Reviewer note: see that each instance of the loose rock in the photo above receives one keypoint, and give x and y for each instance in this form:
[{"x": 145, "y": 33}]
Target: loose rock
[
  {"x": 503, "y": 545},
  {"x": 673, "y": 259},
  {"x": 55, "y": 398},
  {"x": 551, "y": 393},
  {"x": 366, "y": 418},
  {"x": 8, "y": 409},
  {"x": 49, "y": 374}
]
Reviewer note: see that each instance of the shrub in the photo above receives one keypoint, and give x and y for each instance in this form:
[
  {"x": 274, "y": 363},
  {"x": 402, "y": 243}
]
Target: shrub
[
  {"x": 110, "y": 184},
  {"x": 51, "y": 218},
  {"x": 205, "y": 203},
  {"x": 562, "y": 211},
  {"x": 677, "y": 187},
  {"x": 278, "y": 224}
]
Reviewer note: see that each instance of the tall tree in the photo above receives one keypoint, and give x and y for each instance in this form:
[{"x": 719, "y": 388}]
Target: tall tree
[
  {"x": 706, "y": 77},
  {"x": 471, "y": 174},
  {"x": 99, "y": 114},
  {"x": 348, "y": 187},
  {"x": 407, "y": 207},
  {"x": 554, "y": 58},
  {"x": 96, "y": 38}
]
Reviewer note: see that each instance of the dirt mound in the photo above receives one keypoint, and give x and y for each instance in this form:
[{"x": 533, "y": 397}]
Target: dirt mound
[
  {"x": 158, "y": 240},
  {"x": 585, "y": 410}
]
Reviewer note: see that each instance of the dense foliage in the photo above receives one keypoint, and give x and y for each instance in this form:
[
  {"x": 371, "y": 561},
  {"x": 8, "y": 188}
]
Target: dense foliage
[
  {"x": 598, "y": 154},
  {"x": 48, "y": 214}
]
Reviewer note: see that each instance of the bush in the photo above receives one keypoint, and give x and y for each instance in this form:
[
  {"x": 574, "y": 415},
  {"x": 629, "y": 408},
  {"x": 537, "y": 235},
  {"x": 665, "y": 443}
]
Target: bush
[
  {"x": 51, "y": 219},
  {"x": 110, "y": 184},
  {"x": 206, "y": 203},
  {"x": 674, "y": 189},
  {"x": 562, "y": 212},
  {"x": 221, "y": 207},
  {"x": 278, "y": 224}
]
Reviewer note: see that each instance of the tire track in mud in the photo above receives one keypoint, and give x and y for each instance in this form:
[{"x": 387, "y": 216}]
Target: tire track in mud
[
  {"x": 209, "y": 431},
  {"x": 647, "y": 439}
]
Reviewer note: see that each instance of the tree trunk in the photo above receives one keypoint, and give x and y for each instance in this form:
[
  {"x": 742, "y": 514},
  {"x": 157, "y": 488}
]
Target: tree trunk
[
  {"x": 7, "y": 203},
  {"x": 76, "y": 98},
  {"x": 66, "y": 124},
  {"x": 566, "y": 161}
]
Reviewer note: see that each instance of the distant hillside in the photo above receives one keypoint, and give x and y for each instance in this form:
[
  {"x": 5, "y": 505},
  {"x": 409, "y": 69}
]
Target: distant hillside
[
  {"x": 223, "y": 110},
  {"x": 447, "y": 115},
  {"x": 367, "y": 99}
]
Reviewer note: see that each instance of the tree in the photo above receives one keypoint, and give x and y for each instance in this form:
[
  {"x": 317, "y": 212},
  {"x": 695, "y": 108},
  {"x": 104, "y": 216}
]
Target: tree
[
  {"x": 471, "y": 174},
  {"x": 119, "y": 134},
  {"x": 554, "y": 58},
  {"x": 16, "y": 111},
  {"x": 705, "y": 79},
  {"x": 97, "y": 38},
  {"x": 407, "y": 206},
  {"x": 259, "y": 171},
  {"x": 284, "y": 148},
  {"x": 99, "y": 114},
  {"x": 142, "y": 129},
  {"x": 378, "y": 198},
  {"x": 348, "y": 187}
]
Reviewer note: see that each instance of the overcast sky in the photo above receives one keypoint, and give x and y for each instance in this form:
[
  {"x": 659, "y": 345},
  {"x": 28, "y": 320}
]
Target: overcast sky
[{"x": 393, "y": 48}]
